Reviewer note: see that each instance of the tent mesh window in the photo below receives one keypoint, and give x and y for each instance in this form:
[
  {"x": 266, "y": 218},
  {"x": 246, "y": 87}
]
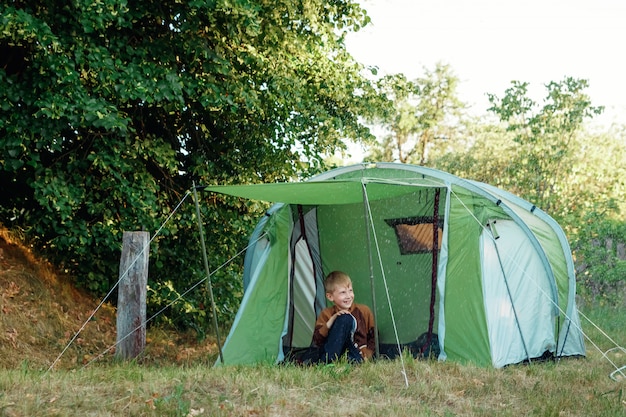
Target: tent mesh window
[{"x": 416, "y": 234}]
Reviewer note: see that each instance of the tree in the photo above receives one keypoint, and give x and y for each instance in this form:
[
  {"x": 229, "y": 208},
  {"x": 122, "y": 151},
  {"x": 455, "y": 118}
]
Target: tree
[
  {"x": 421, "y": 118},
  {"x": 111, "y": 109},
  {"x": 545, "y": 138},
  {"x": 550, "y": 157},
  {"x": 484, "y": 155}
]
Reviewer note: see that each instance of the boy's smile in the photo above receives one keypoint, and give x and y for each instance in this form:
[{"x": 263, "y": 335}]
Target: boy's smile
[{"x": 342, "y": 296}]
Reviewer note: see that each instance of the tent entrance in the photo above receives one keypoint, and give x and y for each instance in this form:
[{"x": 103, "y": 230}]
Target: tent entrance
[
  {"x": 333, "y": 237},
  {"x": 306, "y": 279}
]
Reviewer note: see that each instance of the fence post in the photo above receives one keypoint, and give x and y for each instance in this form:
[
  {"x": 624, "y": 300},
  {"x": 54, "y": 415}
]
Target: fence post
[{"x": 131, "y": 300}]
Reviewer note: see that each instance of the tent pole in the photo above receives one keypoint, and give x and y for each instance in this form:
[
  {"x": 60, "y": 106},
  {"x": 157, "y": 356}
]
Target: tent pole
[
  {"x": 368, "y": 238},
  {"x": 433, "y": 272},
  {"x": 208, "y": 273}
]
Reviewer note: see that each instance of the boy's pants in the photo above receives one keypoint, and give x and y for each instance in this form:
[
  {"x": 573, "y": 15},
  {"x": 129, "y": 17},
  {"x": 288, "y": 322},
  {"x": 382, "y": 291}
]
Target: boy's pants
[{"x": 341, "y": 339}]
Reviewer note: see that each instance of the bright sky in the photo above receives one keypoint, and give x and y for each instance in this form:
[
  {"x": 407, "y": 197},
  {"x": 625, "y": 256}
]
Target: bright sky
[{"x": 488, "y": 43}]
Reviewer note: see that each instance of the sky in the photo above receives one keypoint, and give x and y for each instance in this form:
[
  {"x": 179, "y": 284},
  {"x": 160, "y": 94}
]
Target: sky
[{"x": 489, "y": 43}]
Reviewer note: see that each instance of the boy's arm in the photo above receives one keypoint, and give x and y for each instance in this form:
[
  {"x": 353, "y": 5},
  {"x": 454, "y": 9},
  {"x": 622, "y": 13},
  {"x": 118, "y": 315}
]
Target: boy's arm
[
  {"x": 371, "y": 338},
  {"x": 321, "y": 331},
  {"x": 368, "y": 329},
  {"x": 371, "y": 343}
]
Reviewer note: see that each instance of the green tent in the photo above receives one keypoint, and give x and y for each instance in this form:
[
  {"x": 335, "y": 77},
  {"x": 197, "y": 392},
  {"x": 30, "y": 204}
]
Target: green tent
[{"x": 486, "y": 274}]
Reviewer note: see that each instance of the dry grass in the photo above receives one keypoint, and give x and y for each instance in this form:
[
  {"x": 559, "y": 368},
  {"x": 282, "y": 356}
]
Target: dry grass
[
  {"x": 41, "y": 311},
  {"x": 567, "y": 388}
]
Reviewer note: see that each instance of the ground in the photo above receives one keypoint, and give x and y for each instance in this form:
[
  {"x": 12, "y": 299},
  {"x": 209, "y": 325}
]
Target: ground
[{"x": 45, "y": 321}]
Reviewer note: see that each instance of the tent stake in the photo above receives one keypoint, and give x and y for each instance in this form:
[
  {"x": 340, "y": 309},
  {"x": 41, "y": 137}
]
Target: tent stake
[{"x": 208, "y": 273}]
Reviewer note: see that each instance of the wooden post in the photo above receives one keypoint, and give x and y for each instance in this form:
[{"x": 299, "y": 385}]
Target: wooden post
[{"x": 131, "y": 300}]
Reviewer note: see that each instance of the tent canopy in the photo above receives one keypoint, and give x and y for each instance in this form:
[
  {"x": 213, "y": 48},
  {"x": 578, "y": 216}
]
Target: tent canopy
[{"x": 332, "y": 192}]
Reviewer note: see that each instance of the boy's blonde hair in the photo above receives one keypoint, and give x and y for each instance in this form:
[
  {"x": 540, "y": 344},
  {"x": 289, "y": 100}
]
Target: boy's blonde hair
[{"x": 334, "y": 279}]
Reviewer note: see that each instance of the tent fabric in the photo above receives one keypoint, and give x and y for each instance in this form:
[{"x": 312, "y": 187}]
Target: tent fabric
[
  {"x": 258, "y": 335},
  {"x": 505, "y": 284},
  {"x": 509, "y": 290}
]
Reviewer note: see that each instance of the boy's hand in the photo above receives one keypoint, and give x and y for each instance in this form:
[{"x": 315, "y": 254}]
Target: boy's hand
[
  {"x": 361, "y": 352},
  {"x": 332, "y": 319}
]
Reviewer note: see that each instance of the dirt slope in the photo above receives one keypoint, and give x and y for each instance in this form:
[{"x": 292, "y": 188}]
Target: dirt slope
[{"x": 41, "y": 312}]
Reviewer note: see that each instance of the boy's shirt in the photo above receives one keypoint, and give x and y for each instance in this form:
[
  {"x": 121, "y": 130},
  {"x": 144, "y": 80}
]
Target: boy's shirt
[{"x": 364, "y": 334}]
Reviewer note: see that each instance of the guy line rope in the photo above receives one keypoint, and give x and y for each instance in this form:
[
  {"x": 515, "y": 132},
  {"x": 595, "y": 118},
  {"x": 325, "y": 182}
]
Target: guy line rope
[{"x": 126, "y": 273}]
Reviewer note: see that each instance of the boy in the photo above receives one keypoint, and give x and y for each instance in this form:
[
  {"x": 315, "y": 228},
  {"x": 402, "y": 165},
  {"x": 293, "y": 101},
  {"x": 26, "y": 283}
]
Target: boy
[{"x": 346, "y": 326}]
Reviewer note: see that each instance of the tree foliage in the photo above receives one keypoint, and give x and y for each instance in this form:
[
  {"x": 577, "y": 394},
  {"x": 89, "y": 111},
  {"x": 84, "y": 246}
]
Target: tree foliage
[
  {"x": 550, "y": 157},
  {"x": 545, "y": 138},
  {"x": 110, "y": 109},
  {"x": 541, "y": 152},
  {"x": 599, "y": 246},
  {"x": 421, "y": 119}
]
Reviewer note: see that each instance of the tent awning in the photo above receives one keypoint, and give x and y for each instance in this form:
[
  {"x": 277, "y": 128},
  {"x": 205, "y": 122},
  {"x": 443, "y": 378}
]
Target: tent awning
[{"x": 323, "y": 192}]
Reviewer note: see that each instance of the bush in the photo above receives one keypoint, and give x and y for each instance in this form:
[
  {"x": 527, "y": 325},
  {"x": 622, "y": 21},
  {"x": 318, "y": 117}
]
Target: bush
[{"x": 599, "y": 248}]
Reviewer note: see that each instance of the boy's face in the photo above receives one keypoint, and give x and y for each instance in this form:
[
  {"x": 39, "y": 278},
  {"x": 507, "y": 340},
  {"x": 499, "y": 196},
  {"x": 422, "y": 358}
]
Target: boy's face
[{"x": 342, "y": 296}]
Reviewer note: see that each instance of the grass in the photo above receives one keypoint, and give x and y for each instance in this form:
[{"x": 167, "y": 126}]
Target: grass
[
  {"x": 40, "y": 311},
  {"x": 571, "y": 387}
]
